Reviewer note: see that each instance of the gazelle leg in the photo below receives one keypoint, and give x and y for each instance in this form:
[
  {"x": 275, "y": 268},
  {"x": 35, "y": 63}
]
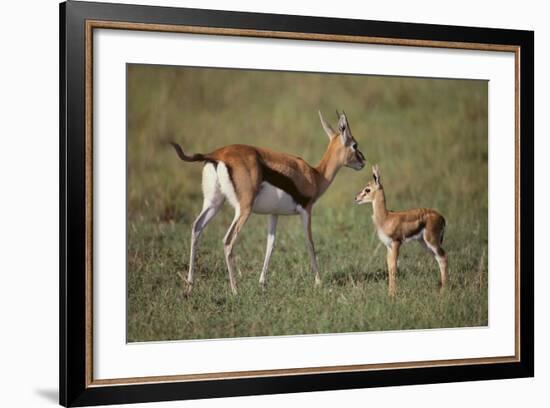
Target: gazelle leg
[
  {"x": 229, "y": 242},
  {"x": 391, "y": 258},
  {"x": 200, "y": 222},
  {"x": 306, "y": 220},
  {"x": 271, "y": 231},
  {"x": 441, "y": 259},
  {"x": 440, "y": 256},
  {"x": 213, "y": 199}
]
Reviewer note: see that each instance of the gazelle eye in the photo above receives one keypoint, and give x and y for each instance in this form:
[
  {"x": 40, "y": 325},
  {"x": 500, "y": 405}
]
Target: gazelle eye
[
  {"x": 354, "y": 146},
  {"x": 367, "y": 190}
]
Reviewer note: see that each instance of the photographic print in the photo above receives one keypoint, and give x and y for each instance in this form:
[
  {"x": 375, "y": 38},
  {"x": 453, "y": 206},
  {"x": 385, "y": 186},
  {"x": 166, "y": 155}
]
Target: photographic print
[
  {"x": 243, "y": 203},
  {"x": 326, "y": 190}
]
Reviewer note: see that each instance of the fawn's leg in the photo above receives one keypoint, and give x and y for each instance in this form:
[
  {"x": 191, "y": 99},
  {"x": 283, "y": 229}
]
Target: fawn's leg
[
  {"x": 441, "y": 259},
  {"x": 391, "y": 258},
  {"x": 434, "y": 246}
]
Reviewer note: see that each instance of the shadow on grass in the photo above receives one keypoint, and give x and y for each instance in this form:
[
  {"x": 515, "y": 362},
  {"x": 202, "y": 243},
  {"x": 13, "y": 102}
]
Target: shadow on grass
[
  {"x": 344, "y": 277},
  {"x": 351, "y": 275}
]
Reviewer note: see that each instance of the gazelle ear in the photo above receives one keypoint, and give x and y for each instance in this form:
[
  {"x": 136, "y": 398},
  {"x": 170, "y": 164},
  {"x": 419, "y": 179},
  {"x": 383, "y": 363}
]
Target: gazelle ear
[
  {"x": 343, "y": 127},
  {"x": 327, "y": 128},
  {"x": 376, "y": 174}
]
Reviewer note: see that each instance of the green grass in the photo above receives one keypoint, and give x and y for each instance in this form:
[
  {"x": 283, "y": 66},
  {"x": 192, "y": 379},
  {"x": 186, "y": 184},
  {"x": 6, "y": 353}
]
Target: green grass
[{"x": 429, "y": 137}]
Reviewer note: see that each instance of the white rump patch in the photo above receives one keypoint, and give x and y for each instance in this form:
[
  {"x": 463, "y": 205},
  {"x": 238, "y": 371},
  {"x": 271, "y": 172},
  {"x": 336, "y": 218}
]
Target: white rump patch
[
  {"x": 273, "y": 200},
  {"x": 226, "y": 185},
  {"x": 211, "y": 190}
]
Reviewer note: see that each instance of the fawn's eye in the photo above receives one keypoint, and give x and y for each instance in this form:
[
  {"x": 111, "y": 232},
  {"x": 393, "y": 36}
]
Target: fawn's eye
[
  {"x": 354, "y": 146},
  {"x": 367, "y": 190}
]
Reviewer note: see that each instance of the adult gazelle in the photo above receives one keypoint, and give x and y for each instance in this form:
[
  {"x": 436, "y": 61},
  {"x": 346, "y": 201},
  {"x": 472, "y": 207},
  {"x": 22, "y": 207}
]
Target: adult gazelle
[{"x": 263, "y": 181}]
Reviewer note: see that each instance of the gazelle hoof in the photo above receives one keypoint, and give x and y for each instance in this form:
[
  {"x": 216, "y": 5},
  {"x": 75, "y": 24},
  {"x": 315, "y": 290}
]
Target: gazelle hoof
[{"x": 189, "y": 288}]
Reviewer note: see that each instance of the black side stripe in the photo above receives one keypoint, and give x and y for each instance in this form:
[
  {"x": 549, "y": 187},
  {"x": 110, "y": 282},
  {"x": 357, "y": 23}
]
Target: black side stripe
[
  {"x": 284, "y": 183},
  {"x": 230, "y": 174},
  {"x": 416, "y": 231}
]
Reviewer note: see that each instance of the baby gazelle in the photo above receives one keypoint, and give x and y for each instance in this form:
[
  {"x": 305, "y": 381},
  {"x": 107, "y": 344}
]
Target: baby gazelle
[{"x": 397, "y": 227}]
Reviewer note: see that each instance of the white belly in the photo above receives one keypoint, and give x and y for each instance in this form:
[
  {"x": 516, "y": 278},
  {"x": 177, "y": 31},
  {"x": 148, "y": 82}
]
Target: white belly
[
  {"x": 416, "y": 237},
  {"x": 273, "y": 200}
]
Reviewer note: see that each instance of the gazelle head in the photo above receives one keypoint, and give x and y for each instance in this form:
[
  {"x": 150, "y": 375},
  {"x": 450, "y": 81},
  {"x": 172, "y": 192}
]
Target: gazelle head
[
  {"x": 342, "y": 144},
  {"x": 367, "y": 194}
]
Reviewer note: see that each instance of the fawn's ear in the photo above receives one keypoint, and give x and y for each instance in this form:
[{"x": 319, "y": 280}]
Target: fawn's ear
[
  {"x": 376, "y": 174},
  {"x": 326, "y": 127}
]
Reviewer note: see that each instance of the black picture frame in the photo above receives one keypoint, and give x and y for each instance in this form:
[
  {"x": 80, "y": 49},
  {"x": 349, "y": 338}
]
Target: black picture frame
[{"x": 74, "y": 389}]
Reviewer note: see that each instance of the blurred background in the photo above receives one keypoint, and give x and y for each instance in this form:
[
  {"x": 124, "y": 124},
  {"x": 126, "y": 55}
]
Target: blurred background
[{"x": 429, "y": 137}]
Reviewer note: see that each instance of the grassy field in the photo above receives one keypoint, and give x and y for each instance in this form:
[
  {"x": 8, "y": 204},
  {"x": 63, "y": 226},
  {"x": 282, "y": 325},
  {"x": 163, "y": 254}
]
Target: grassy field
[{"x": 429, "y": 137}]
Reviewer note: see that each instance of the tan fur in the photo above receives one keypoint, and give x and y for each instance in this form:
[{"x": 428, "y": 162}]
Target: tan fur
[
  {"x": 244, "y": 162},
  {"x": 310, "y": 181},
  {"x": 396, "y": 227}
]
